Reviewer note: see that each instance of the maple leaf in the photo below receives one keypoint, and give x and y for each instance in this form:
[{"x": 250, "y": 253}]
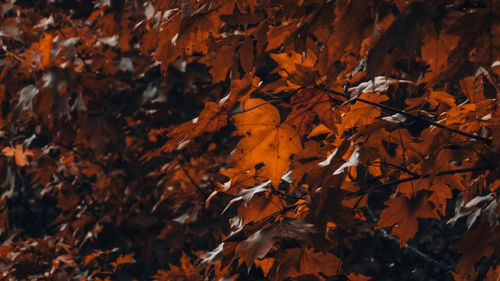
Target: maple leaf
[
  {"x": 277, "y": 35},
  {"x": 19, "y": 154},
  {"x": 298, "y": 69},
  {"x": 475, "y": 244},
  {"x": 89, "y": 258},
  {"x": 237, "y": 180},
  {"x": 45, "y": 48},
  {"x": 435, "y": 97},
  {"x": 303, "y": 261},
  {"x": 106, "y": 164},
  {"x": 259, "y": 207},
  {"x": 265, "y": 264},
  {"x": 403, "y": 214},
  {"x": 211, "y": 119},
  {"x": 257, "y": 245},
  {"x": 306, "y": 105},
  {"x": 472, "y": 88},
  {"x": 265, "y": 140},
  {"x": 123, "y": 259},
  {"x": 186, "y": 271},
  {"x": 439, "y": 187},
  {"x": 222, "y": 62},
  {"x": 359, "y": 113},
  {"x": 435, "y": 51}
]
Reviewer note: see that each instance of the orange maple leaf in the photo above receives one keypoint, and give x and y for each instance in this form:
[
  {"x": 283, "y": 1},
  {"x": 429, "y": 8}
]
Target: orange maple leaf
[
  {"x": 211, "y": 119},
  {"x": 265, "y": 140},
  {"x": 123, "y": 259},
  {"x": 260, "y": 207},
  {"x": 265, "y": 264},
  {"x": 19, "y": 154},
  {"x": 359, "y": 113},
  {"x": 404, "y": 213},
  {"x": 45, "y": 47},
  {"x": 440, "y": 190},
  {"x": 186, "y": 271},
  {"x": 297, "y": 69}
]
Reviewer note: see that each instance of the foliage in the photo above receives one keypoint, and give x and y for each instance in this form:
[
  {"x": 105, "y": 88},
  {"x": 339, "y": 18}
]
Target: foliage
[{"x": 250, "y": 140}]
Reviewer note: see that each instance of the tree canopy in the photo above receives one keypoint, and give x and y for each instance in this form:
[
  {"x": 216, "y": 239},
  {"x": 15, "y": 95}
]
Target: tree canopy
[{"x": 250, "y": 140}]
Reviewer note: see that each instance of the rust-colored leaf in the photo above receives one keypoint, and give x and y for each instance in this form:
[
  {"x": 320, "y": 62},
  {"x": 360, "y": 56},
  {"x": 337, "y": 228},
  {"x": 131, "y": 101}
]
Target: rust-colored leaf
[
  {"x": 303, "y": 261},
  {"x": 246, "y": 54},
  {"x": 265, "y": 264},
  {"x": 360, "y": 113},
  {"x": 259, "y": 208},
  {"x": 45, "y": 48},
  {"x": 435, "y": 51},
  {"x": 265, "y": 140},
  {"x": 123, "y": 259},
  {"x": 403, "y": 214}
]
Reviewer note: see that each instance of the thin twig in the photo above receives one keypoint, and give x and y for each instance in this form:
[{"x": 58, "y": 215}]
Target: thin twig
[
  {"x": 205, "y": 196},
  {"x": 280, "y": 212},
  {"x": 430, "y": 122},
  {"x": 279, "y": 192},
  {"x": 443, "y": 173},
  {"x": 401, "y": 168}
]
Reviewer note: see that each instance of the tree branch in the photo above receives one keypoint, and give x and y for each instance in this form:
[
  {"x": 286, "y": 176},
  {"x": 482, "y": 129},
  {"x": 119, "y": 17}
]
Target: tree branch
[
  {"x": 443, "y": 173},
  {"x": 441, "y": 264},
  {"x": 395, "y": 110}
]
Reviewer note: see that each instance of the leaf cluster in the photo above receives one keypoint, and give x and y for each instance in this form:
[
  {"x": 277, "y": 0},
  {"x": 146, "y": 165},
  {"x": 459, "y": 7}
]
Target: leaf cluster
[{"x": 250, "y": 140}]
